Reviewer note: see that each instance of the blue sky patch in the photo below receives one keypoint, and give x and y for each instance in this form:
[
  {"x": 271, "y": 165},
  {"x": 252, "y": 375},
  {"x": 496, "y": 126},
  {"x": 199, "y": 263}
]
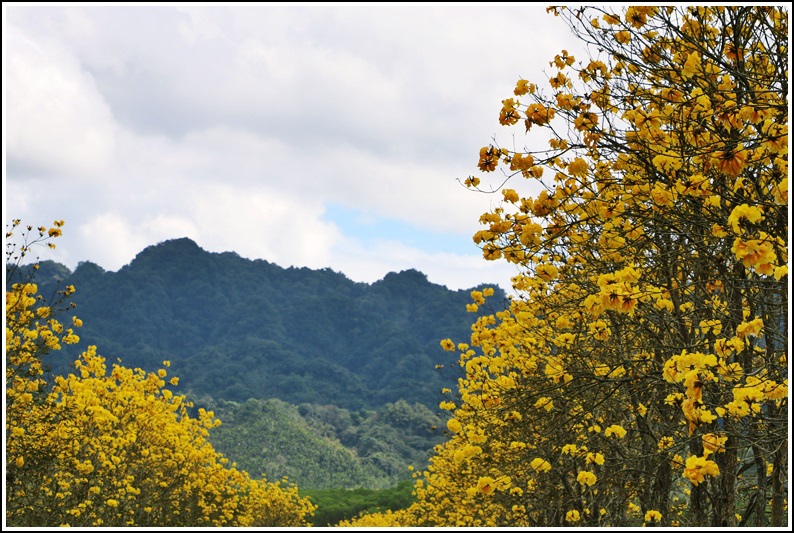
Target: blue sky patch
[{"x": 369, "y": 227}]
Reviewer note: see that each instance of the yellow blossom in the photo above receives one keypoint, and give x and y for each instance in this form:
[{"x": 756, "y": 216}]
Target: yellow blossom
[
  {"x": 454, "y": 425},
  {"x": 540, "y": 465},
  {"x": 486, "y": 485},
  {"x": 615, "y": 430},
  {"x": 713, "y": 443},
  {"x": 586, "y": 478},
  {"x": 699, "y": 467}
]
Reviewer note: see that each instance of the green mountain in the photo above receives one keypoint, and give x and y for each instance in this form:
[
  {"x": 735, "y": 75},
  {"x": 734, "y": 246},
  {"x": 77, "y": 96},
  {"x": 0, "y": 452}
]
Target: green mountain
[
  {"x": 236, "y": 329},
  {"x": 320, "y": 447}
]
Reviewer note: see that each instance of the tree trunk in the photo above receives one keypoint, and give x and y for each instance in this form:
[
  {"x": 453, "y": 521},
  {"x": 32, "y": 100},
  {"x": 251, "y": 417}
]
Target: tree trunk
[{"x": 778, "y": 486}]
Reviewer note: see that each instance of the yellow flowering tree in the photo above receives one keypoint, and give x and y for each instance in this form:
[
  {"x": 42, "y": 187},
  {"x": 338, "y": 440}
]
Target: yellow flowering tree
[
  {"x": 113, "y": 447},
  {"x": 639, "y": 375}
]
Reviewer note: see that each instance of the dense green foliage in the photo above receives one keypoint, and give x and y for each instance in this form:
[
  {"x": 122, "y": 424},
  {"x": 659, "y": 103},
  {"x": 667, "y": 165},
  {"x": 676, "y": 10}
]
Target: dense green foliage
[
  {"x": 236, "y": 329},
  {"x": 335, "y": 505},
  {"x": 320, "y": 447}
]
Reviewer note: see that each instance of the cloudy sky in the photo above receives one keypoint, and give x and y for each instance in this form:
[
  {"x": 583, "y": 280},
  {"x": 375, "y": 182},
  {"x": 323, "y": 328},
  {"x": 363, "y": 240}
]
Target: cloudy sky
[{"x": 307, "y": 135}]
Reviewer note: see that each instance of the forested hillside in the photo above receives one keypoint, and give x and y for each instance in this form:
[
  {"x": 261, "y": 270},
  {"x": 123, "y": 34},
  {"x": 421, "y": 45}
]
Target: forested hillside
[
  {"x": 236, "y": 329},
  {"x": 322, "y": 447}
]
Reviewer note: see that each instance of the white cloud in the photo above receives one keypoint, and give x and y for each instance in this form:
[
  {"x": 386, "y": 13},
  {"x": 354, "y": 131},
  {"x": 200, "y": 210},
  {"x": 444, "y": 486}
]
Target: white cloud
[
  {"x": 263, "y": 224},
  {"x": 57, "y": 121},
  {"x": 238, "y": 127},
  {"x": 163, "y": 227},
  {"x": 112, "y": 238},
  {"x": 457, "y": 271}
]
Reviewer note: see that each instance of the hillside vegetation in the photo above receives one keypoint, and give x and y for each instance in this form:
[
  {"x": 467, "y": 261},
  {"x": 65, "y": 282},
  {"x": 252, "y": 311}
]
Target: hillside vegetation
[
  {"x": 236, "y": 329},
  {"x": 321, "y": 447}
]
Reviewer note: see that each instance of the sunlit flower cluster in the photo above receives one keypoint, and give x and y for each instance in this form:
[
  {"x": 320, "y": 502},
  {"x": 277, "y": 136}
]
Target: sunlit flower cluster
[
  {"x": 115, "y": 448},
  {"x": 645, "y": 350}
]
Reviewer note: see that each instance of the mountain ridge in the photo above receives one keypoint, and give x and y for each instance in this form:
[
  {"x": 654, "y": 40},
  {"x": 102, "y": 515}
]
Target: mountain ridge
[
  {"x": 189, "y": 245},
  {"x": 235, "y": 328}
]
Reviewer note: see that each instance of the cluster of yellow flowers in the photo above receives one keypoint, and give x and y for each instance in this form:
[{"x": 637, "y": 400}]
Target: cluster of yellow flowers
[
  {"x": 648, "y": 324},
  {"x": 115, "y": 449}
]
